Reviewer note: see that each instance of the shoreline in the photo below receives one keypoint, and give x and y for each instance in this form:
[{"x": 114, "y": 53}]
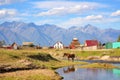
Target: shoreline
[{"x": 44, "y": 60}]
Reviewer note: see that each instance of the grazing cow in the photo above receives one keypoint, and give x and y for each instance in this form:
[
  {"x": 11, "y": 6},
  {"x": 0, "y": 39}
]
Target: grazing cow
[{"x": 68, "y": 55}]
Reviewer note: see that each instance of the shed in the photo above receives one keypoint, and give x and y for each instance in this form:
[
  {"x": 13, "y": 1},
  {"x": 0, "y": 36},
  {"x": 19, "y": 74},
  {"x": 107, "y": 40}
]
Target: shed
[
  {"x": 108, "y": 45},
  {"x": 58, "y": 45}
]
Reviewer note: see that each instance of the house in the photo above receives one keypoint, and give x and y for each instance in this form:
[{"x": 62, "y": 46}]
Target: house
[
  {"x": 116, "y": 44},
  {"x": 7, "y": 47},
  {"x": 108, "y": 45},
  {"x": 14, "y": 46},
  {"x": 74, "y": 44},
  {"x": 111, "y": 45},
  {"x": 91, "y": 44},
  {"x": 58, "y": 45}
]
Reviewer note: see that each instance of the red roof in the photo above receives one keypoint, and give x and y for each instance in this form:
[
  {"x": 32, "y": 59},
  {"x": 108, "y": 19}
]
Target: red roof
[{"x": 91, "y": 43}]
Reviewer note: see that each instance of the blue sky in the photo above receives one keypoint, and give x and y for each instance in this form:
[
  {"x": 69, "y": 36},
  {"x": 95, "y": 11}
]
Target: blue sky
[{"x": 64, "y": 13}]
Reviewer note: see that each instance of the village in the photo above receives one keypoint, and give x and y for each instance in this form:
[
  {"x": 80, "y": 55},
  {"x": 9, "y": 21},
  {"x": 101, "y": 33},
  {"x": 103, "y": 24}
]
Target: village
[
  {"x": 75, "y": 44},
  {"x": 33, "y": 60},
  {"x": 59, "y": 39}
]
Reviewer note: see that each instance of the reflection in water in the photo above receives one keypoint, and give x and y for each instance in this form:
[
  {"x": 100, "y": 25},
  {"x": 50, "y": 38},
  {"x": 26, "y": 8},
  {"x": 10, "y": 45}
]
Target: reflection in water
[
  {"x": 69, "y": 73},
  {"x": 116, "y": 71},
  {"x": 69, "y": 69}
]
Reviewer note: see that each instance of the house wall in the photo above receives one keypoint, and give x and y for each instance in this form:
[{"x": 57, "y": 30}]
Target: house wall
[
  {"x": 116, "y": 45},
  {"x": 90, "y": 48},
  {"x": 27, "y": 43},
  {"x": 91, "y": 43},
  {"x": 15, "y": 46},
  {"x": 108, "y": 45},
  {"x": 58, "y": 45}
]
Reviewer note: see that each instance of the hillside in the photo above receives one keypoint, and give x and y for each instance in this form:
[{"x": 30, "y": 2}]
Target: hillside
[{"x": 47, "y": 34}]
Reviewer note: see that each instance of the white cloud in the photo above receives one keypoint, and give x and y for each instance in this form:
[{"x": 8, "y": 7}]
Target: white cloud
[
  {"x": 65, "y": 7},
  {"x": 13, "y": 15},
  {"x": 93, "y": 17},
  {"x": 67, "y": 10},
  {"x": 54, "y": 4},
  {"x": 5, "y": 13},
  {"x": 54, "y": 11},
  {"x": 3, "y": 2},
  {"x": 72, "y": 22},
  {"x": 117, "y": 13},
  {"x": 83, "y": 20}
]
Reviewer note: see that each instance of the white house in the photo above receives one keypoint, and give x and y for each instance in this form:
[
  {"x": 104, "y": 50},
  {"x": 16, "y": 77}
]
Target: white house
[{"x": 58, "y": 45}]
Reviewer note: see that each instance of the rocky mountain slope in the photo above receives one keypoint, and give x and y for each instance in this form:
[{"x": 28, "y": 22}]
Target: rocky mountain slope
[{"x": 47, "y": 35}]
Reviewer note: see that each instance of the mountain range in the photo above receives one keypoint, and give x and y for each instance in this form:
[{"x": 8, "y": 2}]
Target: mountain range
[{"x": 47, "y": 34}]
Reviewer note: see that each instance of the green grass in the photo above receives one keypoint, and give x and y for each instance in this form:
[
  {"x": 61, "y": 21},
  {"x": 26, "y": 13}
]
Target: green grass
[
  {"x": 31, "y": 77},
  {"x": 39, "y": 58},
  {"x": 115, "y": 52},
  {"x": 88, "y": 53},
  {"x": 85, "y": 54},
  {"x": 99, "y": 65},
  {"x": 47, "y": 58},
  {"x": 35, "y": 55}
]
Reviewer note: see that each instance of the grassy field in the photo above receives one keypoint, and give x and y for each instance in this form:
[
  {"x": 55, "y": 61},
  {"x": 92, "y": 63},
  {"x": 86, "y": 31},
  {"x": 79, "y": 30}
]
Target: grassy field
[
  {"x": 38, "y": 74},
  {"x": 99, "y": 65},
  {"x": 42, "y": 62}
]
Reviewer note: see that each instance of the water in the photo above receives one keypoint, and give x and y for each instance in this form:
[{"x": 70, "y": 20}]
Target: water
[{"x": 75, "y": 73}]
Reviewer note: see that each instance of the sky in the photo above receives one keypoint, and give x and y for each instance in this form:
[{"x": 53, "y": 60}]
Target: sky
[{"x": 63, "y": 13}]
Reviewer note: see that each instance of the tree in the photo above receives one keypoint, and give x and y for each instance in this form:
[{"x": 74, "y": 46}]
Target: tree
[
  {"x": 2, "y": 43},
  {"x": 118, "y": 40}
]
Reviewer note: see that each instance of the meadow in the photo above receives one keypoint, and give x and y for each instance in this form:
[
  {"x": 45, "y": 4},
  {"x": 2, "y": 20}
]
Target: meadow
[
  {"x": 40, "y": 64},
  {"x": 30, "y": 64}
]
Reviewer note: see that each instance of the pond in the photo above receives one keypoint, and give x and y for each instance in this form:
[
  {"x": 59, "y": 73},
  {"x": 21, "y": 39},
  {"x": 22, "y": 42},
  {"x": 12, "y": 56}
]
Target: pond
[{"x": 76, "y": 73}]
